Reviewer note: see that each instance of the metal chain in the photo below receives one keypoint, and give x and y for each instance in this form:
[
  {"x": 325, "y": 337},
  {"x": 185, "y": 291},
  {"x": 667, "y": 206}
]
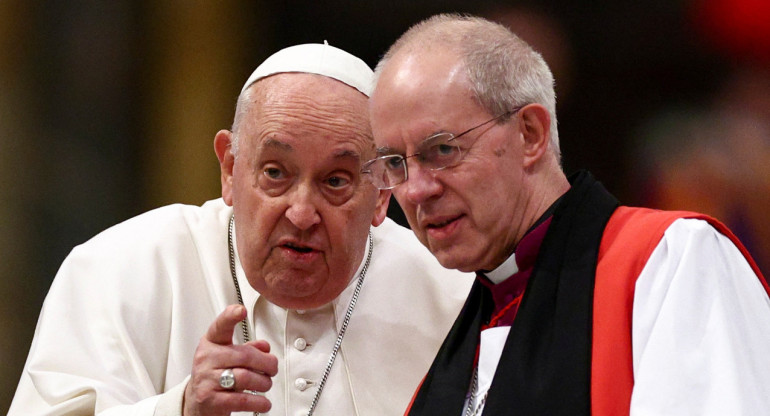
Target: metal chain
[
  {"x": 345, "y": 321},
  {"x": 244, "y": 322},
  {"x": 472, "y": 410}
]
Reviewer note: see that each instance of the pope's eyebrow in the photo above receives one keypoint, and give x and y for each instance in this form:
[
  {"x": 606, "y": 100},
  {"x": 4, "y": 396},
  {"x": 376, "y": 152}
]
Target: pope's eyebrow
[
  {"x": 346, "y": 154},
  {"x": 276, "y": 144}
]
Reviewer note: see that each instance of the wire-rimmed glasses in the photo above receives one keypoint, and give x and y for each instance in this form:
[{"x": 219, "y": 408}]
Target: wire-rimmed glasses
[{"x": 439, "y": 151}]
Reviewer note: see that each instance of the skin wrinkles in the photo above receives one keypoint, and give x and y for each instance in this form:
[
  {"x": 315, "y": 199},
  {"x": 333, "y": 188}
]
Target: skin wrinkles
[
  {"x": 333, "y": 115},
  {"x": 287, "y": 147},
  {"x": 470, "y": 216},
  {"x": 302, "y": 210},
  {"x": 345, "y": 162},
  {"x": 331, "y": 126}
]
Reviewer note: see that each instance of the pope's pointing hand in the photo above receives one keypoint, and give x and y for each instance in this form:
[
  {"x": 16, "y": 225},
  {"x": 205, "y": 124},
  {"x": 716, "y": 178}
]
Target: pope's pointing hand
[{"x": 252, "y": 367}]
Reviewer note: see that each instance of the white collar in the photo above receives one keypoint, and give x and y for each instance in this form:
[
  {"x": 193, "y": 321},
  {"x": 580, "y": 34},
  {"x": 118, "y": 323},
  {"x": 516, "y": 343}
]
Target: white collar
[{"x": 503, "y": 271}]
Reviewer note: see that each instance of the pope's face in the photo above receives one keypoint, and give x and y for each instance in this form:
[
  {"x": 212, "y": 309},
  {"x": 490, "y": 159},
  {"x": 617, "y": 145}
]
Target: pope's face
[
  {"x": 302, "y": 208},
  {"x": 469, "y": 215}
]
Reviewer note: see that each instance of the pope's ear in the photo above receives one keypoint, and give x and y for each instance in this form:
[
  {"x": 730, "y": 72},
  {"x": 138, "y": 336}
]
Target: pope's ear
[
  {"x": 535, "y": 129},
  {"x": 381, "y": 210},
  {"x": 223, "y": 147}
]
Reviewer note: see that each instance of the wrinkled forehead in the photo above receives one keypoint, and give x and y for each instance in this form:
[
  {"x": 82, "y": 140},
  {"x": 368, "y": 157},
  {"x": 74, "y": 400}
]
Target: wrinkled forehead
[
  {"x": 309, "y": 107},
  {"x": 320, "y": 150}
]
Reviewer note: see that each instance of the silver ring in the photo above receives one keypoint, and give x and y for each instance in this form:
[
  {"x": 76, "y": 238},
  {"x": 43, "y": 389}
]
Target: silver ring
[{"x": 227, "y": 379}]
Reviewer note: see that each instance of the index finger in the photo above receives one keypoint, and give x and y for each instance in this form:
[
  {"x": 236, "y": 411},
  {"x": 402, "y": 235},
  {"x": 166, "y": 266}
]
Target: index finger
[{"x": 221, "y": 330}]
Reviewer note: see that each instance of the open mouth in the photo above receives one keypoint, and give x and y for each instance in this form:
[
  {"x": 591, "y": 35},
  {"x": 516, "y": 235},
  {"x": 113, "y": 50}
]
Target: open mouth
[{"x": 297, "y": 248}]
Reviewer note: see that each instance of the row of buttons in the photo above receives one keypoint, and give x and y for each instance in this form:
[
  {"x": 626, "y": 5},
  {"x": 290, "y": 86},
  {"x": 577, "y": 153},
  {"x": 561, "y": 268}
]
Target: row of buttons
[
  {"x": 301, "y": 384},
  {"x": 300, "y": 344}
]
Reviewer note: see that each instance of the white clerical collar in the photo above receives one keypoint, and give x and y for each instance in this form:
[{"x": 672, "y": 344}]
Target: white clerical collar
[{"x": 503, "y": 271}]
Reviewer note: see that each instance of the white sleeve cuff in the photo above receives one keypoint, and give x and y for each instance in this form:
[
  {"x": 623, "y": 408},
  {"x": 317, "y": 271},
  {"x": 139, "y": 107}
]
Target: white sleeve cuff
[{"x": 170, "y": 402}]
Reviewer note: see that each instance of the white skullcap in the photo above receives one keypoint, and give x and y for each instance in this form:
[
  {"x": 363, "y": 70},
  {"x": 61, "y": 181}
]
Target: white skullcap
[{"x": 316, "y": 58}]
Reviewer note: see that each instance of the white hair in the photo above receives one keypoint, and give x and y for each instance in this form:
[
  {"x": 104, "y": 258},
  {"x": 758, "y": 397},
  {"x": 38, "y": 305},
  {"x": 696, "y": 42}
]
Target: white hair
[{"x": 242, "y": 107}]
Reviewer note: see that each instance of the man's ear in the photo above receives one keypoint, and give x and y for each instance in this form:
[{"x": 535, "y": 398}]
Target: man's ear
[
  {"x": 381, "y": 210},
  {"x": 223, "y": 146},
  {"x": 535, "y": 128}
]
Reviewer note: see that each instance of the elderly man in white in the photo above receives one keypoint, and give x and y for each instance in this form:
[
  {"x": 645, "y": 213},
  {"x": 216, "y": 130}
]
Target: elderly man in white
[{"x": 292, "y": 294}]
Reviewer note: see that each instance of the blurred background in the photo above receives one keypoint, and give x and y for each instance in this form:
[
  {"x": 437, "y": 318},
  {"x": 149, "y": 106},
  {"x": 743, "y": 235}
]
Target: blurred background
[{"x": 109, "y": 109}]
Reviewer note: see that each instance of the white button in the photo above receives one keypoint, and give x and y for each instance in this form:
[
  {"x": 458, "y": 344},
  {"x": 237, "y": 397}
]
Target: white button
[
  {"x": 300, "y": 344},
  {"x": 300, "y": 384}
]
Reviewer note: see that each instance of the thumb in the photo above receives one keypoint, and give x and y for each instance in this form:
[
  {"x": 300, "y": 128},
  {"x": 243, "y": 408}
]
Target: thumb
[{"x": 221, "y": 330}]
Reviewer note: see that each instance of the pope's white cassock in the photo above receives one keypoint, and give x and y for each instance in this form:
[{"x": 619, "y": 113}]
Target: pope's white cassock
[{"x": 119, "y": 327}]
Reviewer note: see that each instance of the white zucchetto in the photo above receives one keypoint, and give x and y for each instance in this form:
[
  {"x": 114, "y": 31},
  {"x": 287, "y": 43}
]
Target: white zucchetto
[{"x": 316, "y": 58}]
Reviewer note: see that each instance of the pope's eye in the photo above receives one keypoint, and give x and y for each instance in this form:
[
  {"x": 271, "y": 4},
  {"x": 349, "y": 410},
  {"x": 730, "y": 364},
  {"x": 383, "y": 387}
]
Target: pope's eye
[
  {"x": 336, "y": 181},
  {"x": 273, "y": 173}
]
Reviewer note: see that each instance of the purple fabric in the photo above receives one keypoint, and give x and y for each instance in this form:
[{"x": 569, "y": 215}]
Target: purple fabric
[{"x": 508, "y": 290}]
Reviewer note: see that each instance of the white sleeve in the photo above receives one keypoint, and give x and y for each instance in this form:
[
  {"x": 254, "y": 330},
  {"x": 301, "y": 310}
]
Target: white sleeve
[
  {"x": 701, "y": 328},
  {"x": 95, "y": 350}
]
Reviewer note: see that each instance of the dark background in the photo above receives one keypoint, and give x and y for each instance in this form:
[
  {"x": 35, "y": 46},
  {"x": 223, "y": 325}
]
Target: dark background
[{"x": 108, "y": 109}]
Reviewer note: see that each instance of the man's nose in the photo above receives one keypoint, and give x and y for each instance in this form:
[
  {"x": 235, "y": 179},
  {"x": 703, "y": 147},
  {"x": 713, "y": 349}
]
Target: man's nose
[
  {"x": 302, "y": 210},
  {"x": 421, "y": 183}
]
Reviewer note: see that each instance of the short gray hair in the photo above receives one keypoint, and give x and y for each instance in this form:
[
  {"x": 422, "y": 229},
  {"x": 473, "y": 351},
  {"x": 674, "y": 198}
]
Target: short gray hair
[
  {"x": 504, "y": 71},
  {"x": 242, "y": 107}
]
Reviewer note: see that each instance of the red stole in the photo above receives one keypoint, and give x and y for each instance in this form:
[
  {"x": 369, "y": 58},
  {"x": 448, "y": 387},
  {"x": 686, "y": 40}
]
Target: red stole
[{"x": 628, "y": 241}]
